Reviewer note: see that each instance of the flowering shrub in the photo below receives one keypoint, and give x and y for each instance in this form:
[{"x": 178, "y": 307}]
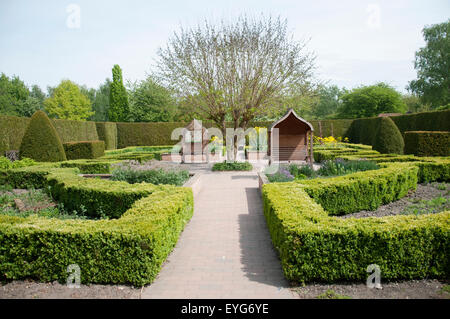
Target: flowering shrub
[
  {"x": 330, "y": 140},
  {"x": 134, "y": 172},
  {"x": 342, "y": 167},
  {"x": 282, "y": 175},
  {"x": 330, "y": 168}
]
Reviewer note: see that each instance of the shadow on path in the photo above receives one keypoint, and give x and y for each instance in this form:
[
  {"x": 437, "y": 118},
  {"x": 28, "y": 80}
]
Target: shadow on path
[{"x": 258, "y": 256}]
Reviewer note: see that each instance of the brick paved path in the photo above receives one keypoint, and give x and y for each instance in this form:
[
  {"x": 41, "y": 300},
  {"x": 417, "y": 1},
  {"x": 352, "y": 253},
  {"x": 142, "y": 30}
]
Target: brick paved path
[{"x": 225, "y": 250}]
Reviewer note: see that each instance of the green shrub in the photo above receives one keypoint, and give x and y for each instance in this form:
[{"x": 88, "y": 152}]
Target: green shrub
[
  {"x": 41, "y": 142},
  {"x": 90, "y": 166},
  {"x": 107, "y": 132},
  {"x": 141, "y": 149},
  {"x": 350, "y": 193},
  {"x": 28, "y": 177},
  {"x": 297, "y": 170},
  {"x": 314, "y": 246},
  {"x": 134, "y": 156},
  {"x": 329, "y": 154},
  {"x": 232, "y": 166},
  {"x": 133, "y": 173},
  {"x": 282, "y": 175},
  {"x": 5, "y": 163},
  {"x": 388, "y": 138},
  {"x": 427, "y": 143},
  {"x": 96, "y": 195},
  {"x": 438, "y": 171},
  {"x": 84, "y": 149},
  {"x": 128, "y": 250},
  {"x": 342, "y": 167}
]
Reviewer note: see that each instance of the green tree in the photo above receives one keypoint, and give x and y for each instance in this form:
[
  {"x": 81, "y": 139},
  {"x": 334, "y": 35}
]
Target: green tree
[
  {"x": 414, "y": 104},
  {"x": 100, "y": 105},
  {"x": 328, "y": 103},
  {"x": 367, "y": 101},
  {"x": 236, "y": 71},
  {"x": 13, "y": 94},
  {"x": 151, "y": 102},
  {"x": 433, "y": 66},
  {"x": 118, "y": 100},
  {"x": 67, "y": 102},
  {"x": 33, "y": 103}
]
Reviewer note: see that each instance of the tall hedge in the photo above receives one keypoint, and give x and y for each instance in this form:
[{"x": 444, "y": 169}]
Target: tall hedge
[
  {"x": 427, "y": 143},
  {"x": 388, "y": 139},
  {"x": 337, "y": 128},
  {"x": 41, "y": 142},
  {"x": 107, "y": 132},
  {"x": 146, "y": 134},
  {"x": 12, "y": 129},
  {"x": 362, "y": 130},
  {"x": 70, "y": 131}
]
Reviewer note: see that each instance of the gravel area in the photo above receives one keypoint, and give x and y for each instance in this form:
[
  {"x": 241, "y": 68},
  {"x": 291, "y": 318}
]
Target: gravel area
[
  {"x": 423, "y": 192},
  {"x": 412, "y": 289}
]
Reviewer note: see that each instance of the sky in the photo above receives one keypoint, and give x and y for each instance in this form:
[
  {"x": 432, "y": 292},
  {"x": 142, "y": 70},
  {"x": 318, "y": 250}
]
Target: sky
[{"x": 355, "y": 42}]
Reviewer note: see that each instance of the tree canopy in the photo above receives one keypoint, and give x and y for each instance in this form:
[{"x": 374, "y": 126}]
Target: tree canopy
[
  {"x": 433, "y": 66},
  {"x": 237, "y": 71},
  {"x": 67, "y": 102},
  {"x": 151, "y": 102},
  {"x": 118, "y": 98},
  {"x": 367, "y": 101}
]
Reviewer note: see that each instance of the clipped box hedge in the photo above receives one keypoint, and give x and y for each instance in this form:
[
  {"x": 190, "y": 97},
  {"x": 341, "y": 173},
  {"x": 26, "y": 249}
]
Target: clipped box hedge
[
  {"x": 90, "y": 166},
  {"x": 362, "y": 190},
  {"x": 316, "y": 247},
  {"x": 427, "y": 143},
  {"x": 129, "y": 249},
  {"x": 321, "y": 155},
  {"x": 84, "y": 149}
]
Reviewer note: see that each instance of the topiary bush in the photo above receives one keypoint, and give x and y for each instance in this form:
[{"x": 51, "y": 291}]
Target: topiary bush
[
  {"x": 41, "y": 142},
  {"x": 232, "y": 166},
  {"x": 388, "y": 139},
  {"x": 84, "y": 149}
]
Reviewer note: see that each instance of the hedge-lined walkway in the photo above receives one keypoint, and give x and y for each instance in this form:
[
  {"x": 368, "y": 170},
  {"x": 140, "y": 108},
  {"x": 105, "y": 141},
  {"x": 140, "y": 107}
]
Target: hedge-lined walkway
[{"x": 225, "y": 251}]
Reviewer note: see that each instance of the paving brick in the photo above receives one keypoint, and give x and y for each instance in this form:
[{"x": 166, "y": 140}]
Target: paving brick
[{"x": 225, "y": 250}]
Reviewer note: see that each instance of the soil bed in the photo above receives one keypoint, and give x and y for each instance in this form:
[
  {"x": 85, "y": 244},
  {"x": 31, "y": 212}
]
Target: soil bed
[
  {"x": 414, "y": 202},
  {"x": 411, "y": 289}
]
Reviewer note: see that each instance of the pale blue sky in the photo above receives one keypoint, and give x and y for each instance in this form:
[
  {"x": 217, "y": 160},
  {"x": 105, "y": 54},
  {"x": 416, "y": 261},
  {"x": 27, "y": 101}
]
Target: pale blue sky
[{"x": 354, "y": 44}]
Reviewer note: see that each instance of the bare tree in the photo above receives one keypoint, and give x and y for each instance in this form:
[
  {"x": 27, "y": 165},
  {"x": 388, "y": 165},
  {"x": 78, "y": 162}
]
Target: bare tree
[{"x": 235, "y": 72}]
